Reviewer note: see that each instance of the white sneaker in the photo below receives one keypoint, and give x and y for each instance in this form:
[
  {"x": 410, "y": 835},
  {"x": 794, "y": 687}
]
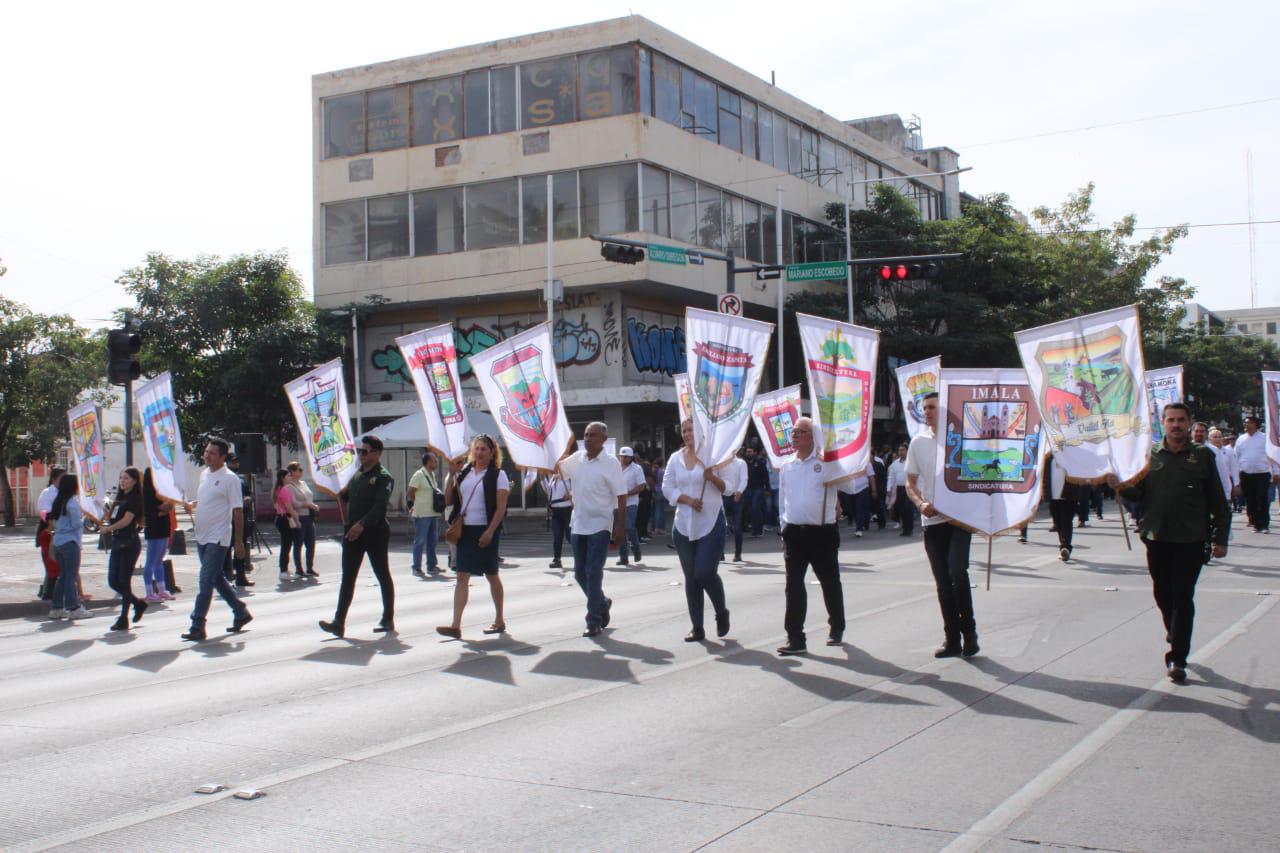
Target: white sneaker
[
  {"x": 858, "y": 534},
  {"x": 57, "y": 613},
  {"x": 284, "y": 576},
  {"x": 897, "y": 526},
  {"x": 80, "y": 612}
]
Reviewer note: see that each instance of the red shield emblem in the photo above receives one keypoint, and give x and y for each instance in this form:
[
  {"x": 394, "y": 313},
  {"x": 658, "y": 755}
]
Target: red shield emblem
[{"x": 530, "y": 398}]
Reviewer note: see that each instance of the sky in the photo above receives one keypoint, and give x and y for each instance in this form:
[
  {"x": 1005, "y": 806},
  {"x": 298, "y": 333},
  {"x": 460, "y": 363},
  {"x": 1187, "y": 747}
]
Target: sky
[{"x": 131, "y": 128}]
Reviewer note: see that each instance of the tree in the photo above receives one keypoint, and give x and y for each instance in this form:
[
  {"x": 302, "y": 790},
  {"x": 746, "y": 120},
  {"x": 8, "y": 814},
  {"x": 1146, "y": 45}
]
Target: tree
[
  {"x": 1219, "y": 372},
  {"x": 231, "y": 332},
  {"x": 46, "y": 365}
]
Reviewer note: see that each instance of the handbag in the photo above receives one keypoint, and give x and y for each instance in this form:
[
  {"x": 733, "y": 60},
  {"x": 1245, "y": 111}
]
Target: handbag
[{"x": 454, "y": 533}]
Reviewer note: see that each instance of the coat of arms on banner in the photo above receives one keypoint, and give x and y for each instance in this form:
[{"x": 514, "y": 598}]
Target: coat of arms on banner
[
  {"x": 719, "y": 383},
  {"x": 530, "y": 400},
  {"x": 1271, "y": 406},
  {"x": 1090, "y": 393},
  {"x": 159, "y": 420},
  {"x": 842, "y": 391},
  {"x": 993, "y": 438},
  {"x": 433, "y": 358},
  {"x": 86, "y": 443},
  {"x": 918, "y": 386},
  {"x": 331, "y": 447},
  {"x": 1161, "y": 391},
  {"x": 780, "y": 417}
]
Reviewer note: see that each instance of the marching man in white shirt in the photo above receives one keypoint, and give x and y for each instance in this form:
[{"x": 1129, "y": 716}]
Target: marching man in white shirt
[
  {"x": 219, "y": 519},
  {"x": 734, "y": 474},
  {"x": 599, "y": 506},
  {"x": 810, "y": 537},
  {"x": 1255, "y": 474}
]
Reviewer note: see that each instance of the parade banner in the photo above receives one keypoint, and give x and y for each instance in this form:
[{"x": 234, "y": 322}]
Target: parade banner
[
  {"x": 726, "y": 354},
  {"x": 161, "y": 436},
  {"x": 990, "y": 452},
  {"x": 1271, "y": 411},
  {"x": 518, "y": 378},
  {"x": 1090, "y": 386},
  {"x": 682, "y": 395},
  {"x": 840, "y": 361},
  {"x": 319, "y": 402},
  {"x": 774, "y": 415},
  {"x": 433, "y": 364},
  {"x": 88, "y": 455},
  {"x": 1164, "y": 386},
  {"x": 914, "y": 382}
]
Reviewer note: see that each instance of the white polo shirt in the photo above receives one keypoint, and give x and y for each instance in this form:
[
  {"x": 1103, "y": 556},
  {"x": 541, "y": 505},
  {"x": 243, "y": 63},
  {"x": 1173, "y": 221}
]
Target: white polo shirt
[
  {"x": 734, "y": 475},
  {"x": 45, "y": 503},
  {"x": 922, "y": 461},
  {"x": 632, "y": 476},
  {"x": 1251, "y": 451},
  {"x": 596, "y": 484},
  {"x": 218, "y": 497},
  {"x": 803, "y": 497}
]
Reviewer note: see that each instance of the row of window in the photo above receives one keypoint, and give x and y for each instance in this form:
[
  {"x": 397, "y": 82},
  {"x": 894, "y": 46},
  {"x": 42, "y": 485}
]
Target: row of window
[
  {"x": 609, "y": 82},
  {"x": 618, "y": 199}
]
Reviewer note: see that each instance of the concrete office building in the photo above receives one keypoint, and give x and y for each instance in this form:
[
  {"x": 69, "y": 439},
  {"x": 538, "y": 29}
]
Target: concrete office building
[{"x": 430, "y": 191}]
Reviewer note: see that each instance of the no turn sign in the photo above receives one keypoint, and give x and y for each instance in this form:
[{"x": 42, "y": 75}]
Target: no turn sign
[{"x": 731, "y": 303}]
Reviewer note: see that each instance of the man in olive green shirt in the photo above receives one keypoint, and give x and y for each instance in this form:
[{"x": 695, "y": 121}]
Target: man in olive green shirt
[
  {"x": 1183, "y": 506},
  {"x": 367, "y": 533}
]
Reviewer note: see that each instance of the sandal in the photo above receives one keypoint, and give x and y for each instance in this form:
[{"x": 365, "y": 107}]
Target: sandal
[
  {"x": 449, "y": 631},
  {"x": 496, "y": 628}
]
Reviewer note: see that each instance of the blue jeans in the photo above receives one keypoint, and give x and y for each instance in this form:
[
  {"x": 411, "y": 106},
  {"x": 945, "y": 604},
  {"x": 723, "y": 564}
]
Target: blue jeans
[
  {"x": 561, "y": 520},
  {"x": 733, "y": 513},
  {"x": 630, "y": 535},
  {"x": 424, "y": 538},
  {"x": 700, "y": 562},
  {"x": 589, "y": 553},
  {"x": 153, "y": 568},
  {"x": 65, "y": 594},
  {"x": 659, "y": 512},
  {"x": 212, "y": 559},
  {"x": 753, "y": 509}
]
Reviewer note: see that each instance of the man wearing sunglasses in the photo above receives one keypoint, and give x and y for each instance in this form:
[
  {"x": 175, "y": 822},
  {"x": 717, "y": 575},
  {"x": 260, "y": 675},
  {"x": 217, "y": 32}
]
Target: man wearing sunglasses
[{"x": 367, "y": 533}]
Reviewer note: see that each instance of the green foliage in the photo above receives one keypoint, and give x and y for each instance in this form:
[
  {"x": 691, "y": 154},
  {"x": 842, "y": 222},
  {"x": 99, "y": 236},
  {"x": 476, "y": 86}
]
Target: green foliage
[
  {"x": 46, "y": 364},
  {"x": 1219, "y": 372},
  {"x": 231, "y": 332}
]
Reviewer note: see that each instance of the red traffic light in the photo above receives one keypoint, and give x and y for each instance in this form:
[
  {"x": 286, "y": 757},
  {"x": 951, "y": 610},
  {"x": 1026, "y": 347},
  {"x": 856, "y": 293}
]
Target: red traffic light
[
  {"x": 886, "y": 273},
  {"x": 901, "y": 272}
]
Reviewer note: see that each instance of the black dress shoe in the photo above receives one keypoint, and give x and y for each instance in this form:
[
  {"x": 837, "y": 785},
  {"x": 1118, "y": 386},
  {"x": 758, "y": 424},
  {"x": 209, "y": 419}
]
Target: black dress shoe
[
  {"x": 245, "y": 582},
  {"x": 592, "y": 631},
  {"x": 121, "y": 624},
  {"x": 608, "y": 613},
  {"x": 1177, "y": 674},
  {"x": 836, "y": 638},
  {"x": 312, "y": 573},
  {"x": 555, "y": 564},
  {"x": 237, "y": 624},
  {"x": 139, "y": 607},
  {"x": 970, "y": 646},
  {"x": 385, "y": 628},
  {"x": 195, "y": 636},
  {"x": 793, "y": 648},
  {"x": 722, "y": 623},
  {"x": 697, "y": 635},
  {"x": 332, "y": 628},
  {"x": 947, "y": 650}
]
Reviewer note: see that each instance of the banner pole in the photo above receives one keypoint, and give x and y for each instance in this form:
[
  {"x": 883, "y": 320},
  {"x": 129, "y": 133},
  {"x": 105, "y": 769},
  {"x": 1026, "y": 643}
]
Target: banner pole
[
  {"x": 1124, "y": 523},
  {"x": 990, "y": 539}
]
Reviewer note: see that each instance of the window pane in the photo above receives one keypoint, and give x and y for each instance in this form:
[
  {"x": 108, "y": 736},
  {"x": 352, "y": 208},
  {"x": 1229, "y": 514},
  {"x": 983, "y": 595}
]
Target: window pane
[
  {"x": 705, "y": 110},
  {"x": 730, "y": 124},
  {"x": 344, "y": 125},
  {"x": 502, "y": 109},
  {"x": 610, "y": 199},
  {"x": 437, "y": 111},
  {"x": 710, "y": 218},
  {"x": 388, "y": 118},
  {"x": 733, "y": 224},
  {"x": 564, "y": 190},
  {"x": 827, "y": 163},
  {"x": 858, "y": 175},
  {"x": 684, "y": 210},
  {"x": 751, "y": 230},
  {"x": 766, "y": 136},
  {"x": 389, "y": 227},
  {"x": 547, "y": 92},
  {"x": 794, "y": 239},
  {"x": 344, "y": 232},
  {"x": 476, "y": 102},
  {"x": 654, "y": 201},
  {"x": 769, "y": 234},
  {"x": 795, "y": 162},
  {"x": 607, "y": 83},
  {"x": 780, "y": 159},
  {"x": 688, "y": 99},
  {"x": 809, "y": 163},
  {"x": 749, "y": 129},
  {"x": 491, "y": 215},
  {"x": 843, "y": 181},
  {"x": 646, "y": 82},
  {"x": 437, "y": 221},
  {"x": 666, "y": 89}
]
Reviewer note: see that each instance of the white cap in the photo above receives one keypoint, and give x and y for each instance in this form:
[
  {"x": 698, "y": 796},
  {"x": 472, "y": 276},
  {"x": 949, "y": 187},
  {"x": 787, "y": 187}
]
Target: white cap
[{"x": 626, "y": 451}]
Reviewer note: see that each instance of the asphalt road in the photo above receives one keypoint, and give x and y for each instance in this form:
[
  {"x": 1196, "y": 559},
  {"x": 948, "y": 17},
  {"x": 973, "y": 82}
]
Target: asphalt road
[{"x": 1064, "y": 732}]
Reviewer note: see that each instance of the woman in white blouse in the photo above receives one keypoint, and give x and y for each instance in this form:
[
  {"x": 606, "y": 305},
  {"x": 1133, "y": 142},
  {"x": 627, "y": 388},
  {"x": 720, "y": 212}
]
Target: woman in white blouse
[{"x": 698, "y": 531}]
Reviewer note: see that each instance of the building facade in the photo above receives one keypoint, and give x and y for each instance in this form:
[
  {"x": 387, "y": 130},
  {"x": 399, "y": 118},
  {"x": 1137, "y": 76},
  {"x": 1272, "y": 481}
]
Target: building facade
[{"x": 431, "y": 192}]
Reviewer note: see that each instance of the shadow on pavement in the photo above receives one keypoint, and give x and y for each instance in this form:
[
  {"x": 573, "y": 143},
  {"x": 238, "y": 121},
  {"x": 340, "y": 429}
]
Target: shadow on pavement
[{"x": 151, "y": 661}]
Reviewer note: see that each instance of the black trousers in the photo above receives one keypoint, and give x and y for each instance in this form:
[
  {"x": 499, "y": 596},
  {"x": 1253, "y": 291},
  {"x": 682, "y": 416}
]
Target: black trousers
[
  {"x": 287, "y": 536},
  {"x": 733, "y": 514},
  {"x": 1175, "y": 568},
  {"x": 1254, "y": 488},
  {"x": 561, "y": 518},
  {"x": 1061, "y": 512},
  {"x": 905, "y": 509},
  {"x": 947, "y": 548},
  {"x": 373, "y": 542},
  {"x": 817, "y": 546}
]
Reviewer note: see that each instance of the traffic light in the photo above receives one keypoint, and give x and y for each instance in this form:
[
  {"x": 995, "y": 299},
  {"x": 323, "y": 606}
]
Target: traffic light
[
  {"x": 122, "y": 347},
  {"x": 621, "y": 254},
  {"x": 890, "y": 273}
]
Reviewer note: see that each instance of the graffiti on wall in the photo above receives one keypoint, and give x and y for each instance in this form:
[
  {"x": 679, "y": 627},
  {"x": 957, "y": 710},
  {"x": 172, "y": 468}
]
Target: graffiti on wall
[
  {"x": 612, "y": 343},
  {"x": 655, "y": 345}
]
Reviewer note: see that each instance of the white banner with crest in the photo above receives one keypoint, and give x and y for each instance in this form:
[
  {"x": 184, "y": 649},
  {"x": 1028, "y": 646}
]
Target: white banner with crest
[
  {"x": 89, "y": 457},
  {"x": 726, "y": 356},
  {"x": 840, "y": 362},
  {"x": 681, "y": 381},
  {"x": 1271, "y": 409},
  {"x": 432, "y": 361},
  {"x": 518, "y": 378},
  {"x": 915, "y": 381},
  {"x": 775, "y": 414},
  {"x": 161, "y": 436},
  {"x": 319, "y": 402},
  {"x": 1164, "y": 386}
]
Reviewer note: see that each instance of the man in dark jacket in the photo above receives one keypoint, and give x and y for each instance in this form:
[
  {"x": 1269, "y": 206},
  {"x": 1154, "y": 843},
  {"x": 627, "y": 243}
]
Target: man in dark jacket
[{"x": 1183, "y": 505}]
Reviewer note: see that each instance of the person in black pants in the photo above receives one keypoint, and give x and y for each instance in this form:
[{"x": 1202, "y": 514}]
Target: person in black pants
[
  {"x": 1064, "y": 498},
  {"x": 561, "y": 509},
  {"x": 126, "y": 513},
  {"x": 757, "y": 490},
  {"x": 367, "y": 533}
]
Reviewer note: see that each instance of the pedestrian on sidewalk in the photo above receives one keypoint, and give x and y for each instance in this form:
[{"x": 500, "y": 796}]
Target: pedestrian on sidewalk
[
  {"x": 479, "y": 494},
  {"x": 810, "y": 537},
  {"x": 67, "y": 528},
  {"x": 698, "y": 532},
  {"x": 219, "y": 525},
  {"x": 367, "y": 532},
  {"x": 1183, "y": 506},
  {"x": 946, "y": 545},
  {"x": 156, "y": 529},
  {"x": 287, "y": 523},
  {"x": 423, "y": 494},
  {"x": 305, "y": 503},
  {"x": 633, "y": 478},
  {"x": 125, "y": 512},
  {"x": 599, "y": 506}
]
